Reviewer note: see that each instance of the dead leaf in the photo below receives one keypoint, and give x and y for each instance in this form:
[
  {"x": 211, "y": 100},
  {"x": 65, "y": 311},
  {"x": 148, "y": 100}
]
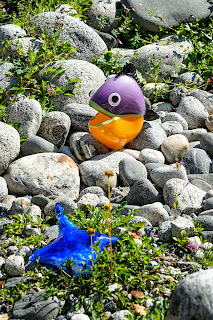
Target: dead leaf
[
  {"x": 134, "y": 235},
  {"x": 138, "y": 309},
  {"x": 137, "y": 294}
]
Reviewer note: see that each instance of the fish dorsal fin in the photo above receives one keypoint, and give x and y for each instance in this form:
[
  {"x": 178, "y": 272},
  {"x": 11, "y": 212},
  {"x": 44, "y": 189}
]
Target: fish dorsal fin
[{"x": 129, "y": 69}]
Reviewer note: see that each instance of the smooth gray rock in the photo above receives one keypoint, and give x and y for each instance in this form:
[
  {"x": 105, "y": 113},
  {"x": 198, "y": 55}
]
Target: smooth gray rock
[
  {"x": 163, "y": 106},
  {"x": 197, "y": 161},
  {"x": 194, "y": 134},
  {"x": 152, "y": 166},
  {"x": 88, "y": 199},
  {"x": 51, "y": 233},
  {"x": 56, "y": 174},
  {"x": 28, "y": 113},
  {"x": 91, "y": 77},
  {"x": 40, "y": 200},
  {"x": 171, "y": 153},
  {"x": 181, "y": 223},
  {"x": 208, "y": 204},
  {"x": 209, "y": 193},
  {"x": 9, "y": 145},
  {"x": 23, "y": 46},
  {"x": 151, "y": 136},
  {"x": 161, "y": 175},
  {"x": 206, "y": 143},
  {"x": 100, "y": 8},
  {"x": 35, "y": 306},
  {"x": 24, "y": 251},
  {"x": 55, "y": 127},
  {"x": 130, "y": 171},
  {"x": 207, "y": 235},
  {"x": 77, "y": 33},
  {"x": 189, "y": 79},
  {"x": 206, "y": 177},
  {"x": 189, "y": 196},
  {"x": 36, "y": 144},
  {"x": 93, "y": 189},
  {"x": 3, "y": 189},
  {"x": 172, "y": 127},
  {"x": 205, "y": 97},
  {"x": 93, "y": 169},
  {"x": 174, "y": 116},
  {"x": 154, "y": 14},
  {"x": 176, "y": 94},
  {"x": 154, "y": 213},
  {"x": 12, "y": 282},
  {"x": 79, "y": 114},
  {"x": 34, "y": 212},
  {"x": 169, "y": 53},
  {"x": 205, "y": 186},
  {"x": 209, "y": 122},
  {"x": 105, "y": 183},
  {"x": 151, "y": 156},
  {"x": 143, "y": 192},
  {"x": 7, "y": 78},
  {"x": 192, "y": 298},
  {"x": 11, "y": 31},
  {"x": 193, "y": 111},
  {"x": 107, "y": 38}
]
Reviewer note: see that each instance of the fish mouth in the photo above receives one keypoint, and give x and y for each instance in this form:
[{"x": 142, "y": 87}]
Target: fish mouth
[{"x": 109, "y": 114}]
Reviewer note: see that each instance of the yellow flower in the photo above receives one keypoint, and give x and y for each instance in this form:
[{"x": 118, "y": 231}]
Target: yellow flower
[{"x": 91, "y": 231}]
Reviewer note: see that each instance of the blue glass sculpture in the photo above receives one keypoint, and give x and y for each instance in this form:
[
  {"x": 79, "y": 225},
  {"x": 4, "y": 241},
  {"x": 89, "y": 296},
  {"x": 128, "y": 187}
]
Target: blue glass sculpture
[{"x": 73, "y": 243}]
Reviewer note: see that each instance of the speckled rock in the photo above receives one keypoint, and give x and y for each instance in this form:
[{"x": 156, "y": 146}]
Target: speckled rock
[
  {"x": 79, "y": 114},
  {"x": 130, "y": 171},
  {"x": 14, "y": 266},
  {"x": 76, "y": 32},
  {"x": 11, "y": 31},
  {"x": 87, "y": 199},
  {"x": 206, "y": 98},
  {"x": 203, "y": 185},
  {"x": 181, "y": 147},
  {"x": 172, "y": 127},
  {"x": 207, "y": 221},
  {"x": 177, "y": 94},
  {"x": 193, "y": 111},
  {"x": 165, "y": 231},
  {"x": 68, "y": 204},
  {"x": 9, "y": 145},
  {"x": 143, "y": 192},
  {"x": 174, "y": 116},
  {"x": 205, "y": 177},
  {"x": 189, "y": 79},
  {"x": 195, "y": 287},
  {"x": 55, "y": 127},
  {"x": 189, "y": 196},
  {"x": 176, "y": 50},
  {"x": 208, "y": 204},
  {"x": 7, "y": 78},
  {"x": 181, "y": 223},
  {"x": 36, "y": 144},
  {"x": 161, "y": 175},
  {"x": 151, "y": 136},
  {"x": 103, "y": 181},
  {"x": 154, "y": 213},
  {"x": 90, "y": 75},
  {"x": 197, "y": 161},
  {"x": 3, "y": 189},
  {"x": 56, "y": 174},
  {"x": 209, "y": 122},
  {"x": 23, "y": 45},
  {"x": 206, "y": 143},
  {"x": 120, "y": 315},
  {"x": 20, "y": 205},
  {"x": 28, "y": 113},
  {"x": 151, "y": 156},
  {"x": 91, "y": 170},
  {"x": 194, "y": 134}
]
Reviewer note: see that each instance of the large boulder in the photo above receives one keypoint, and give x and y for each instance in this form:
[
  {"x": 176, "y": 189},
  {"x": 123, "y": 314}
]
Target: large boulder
[
  {"x": 82, "y": 37},
  {"x": 50, "y": 174},
  {"x": 167, "y": 56},
  {"x": 163, "y": 13},
  {"x": 192, "y": 298},
  {"x": 91, "y": 77}
]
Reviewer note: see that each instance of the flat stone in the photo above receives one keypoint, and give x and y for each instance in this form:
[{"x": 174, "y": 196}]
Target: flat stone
[
  {"x": 197, "y": 161},
  {"x": 194, "y": 134},
  {"x": 174, "y": 116},
  {"x": 205, "y": 177},
  {"x": 206, "y": 143},
  {"x": 36, "y": 144},
  {"x": 151, "y": 156},
  {"x": 56, "y": 174}
]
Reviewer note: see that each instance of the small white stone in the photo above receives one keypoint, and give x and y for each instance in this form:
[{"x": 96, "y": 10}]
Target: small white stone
[{"x": 14, "y": 266}]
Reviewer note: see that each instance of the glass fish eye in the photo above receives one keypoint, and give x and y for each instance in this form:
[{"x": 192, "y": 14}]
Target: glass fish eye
[{"x": 114, "y": 99}]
